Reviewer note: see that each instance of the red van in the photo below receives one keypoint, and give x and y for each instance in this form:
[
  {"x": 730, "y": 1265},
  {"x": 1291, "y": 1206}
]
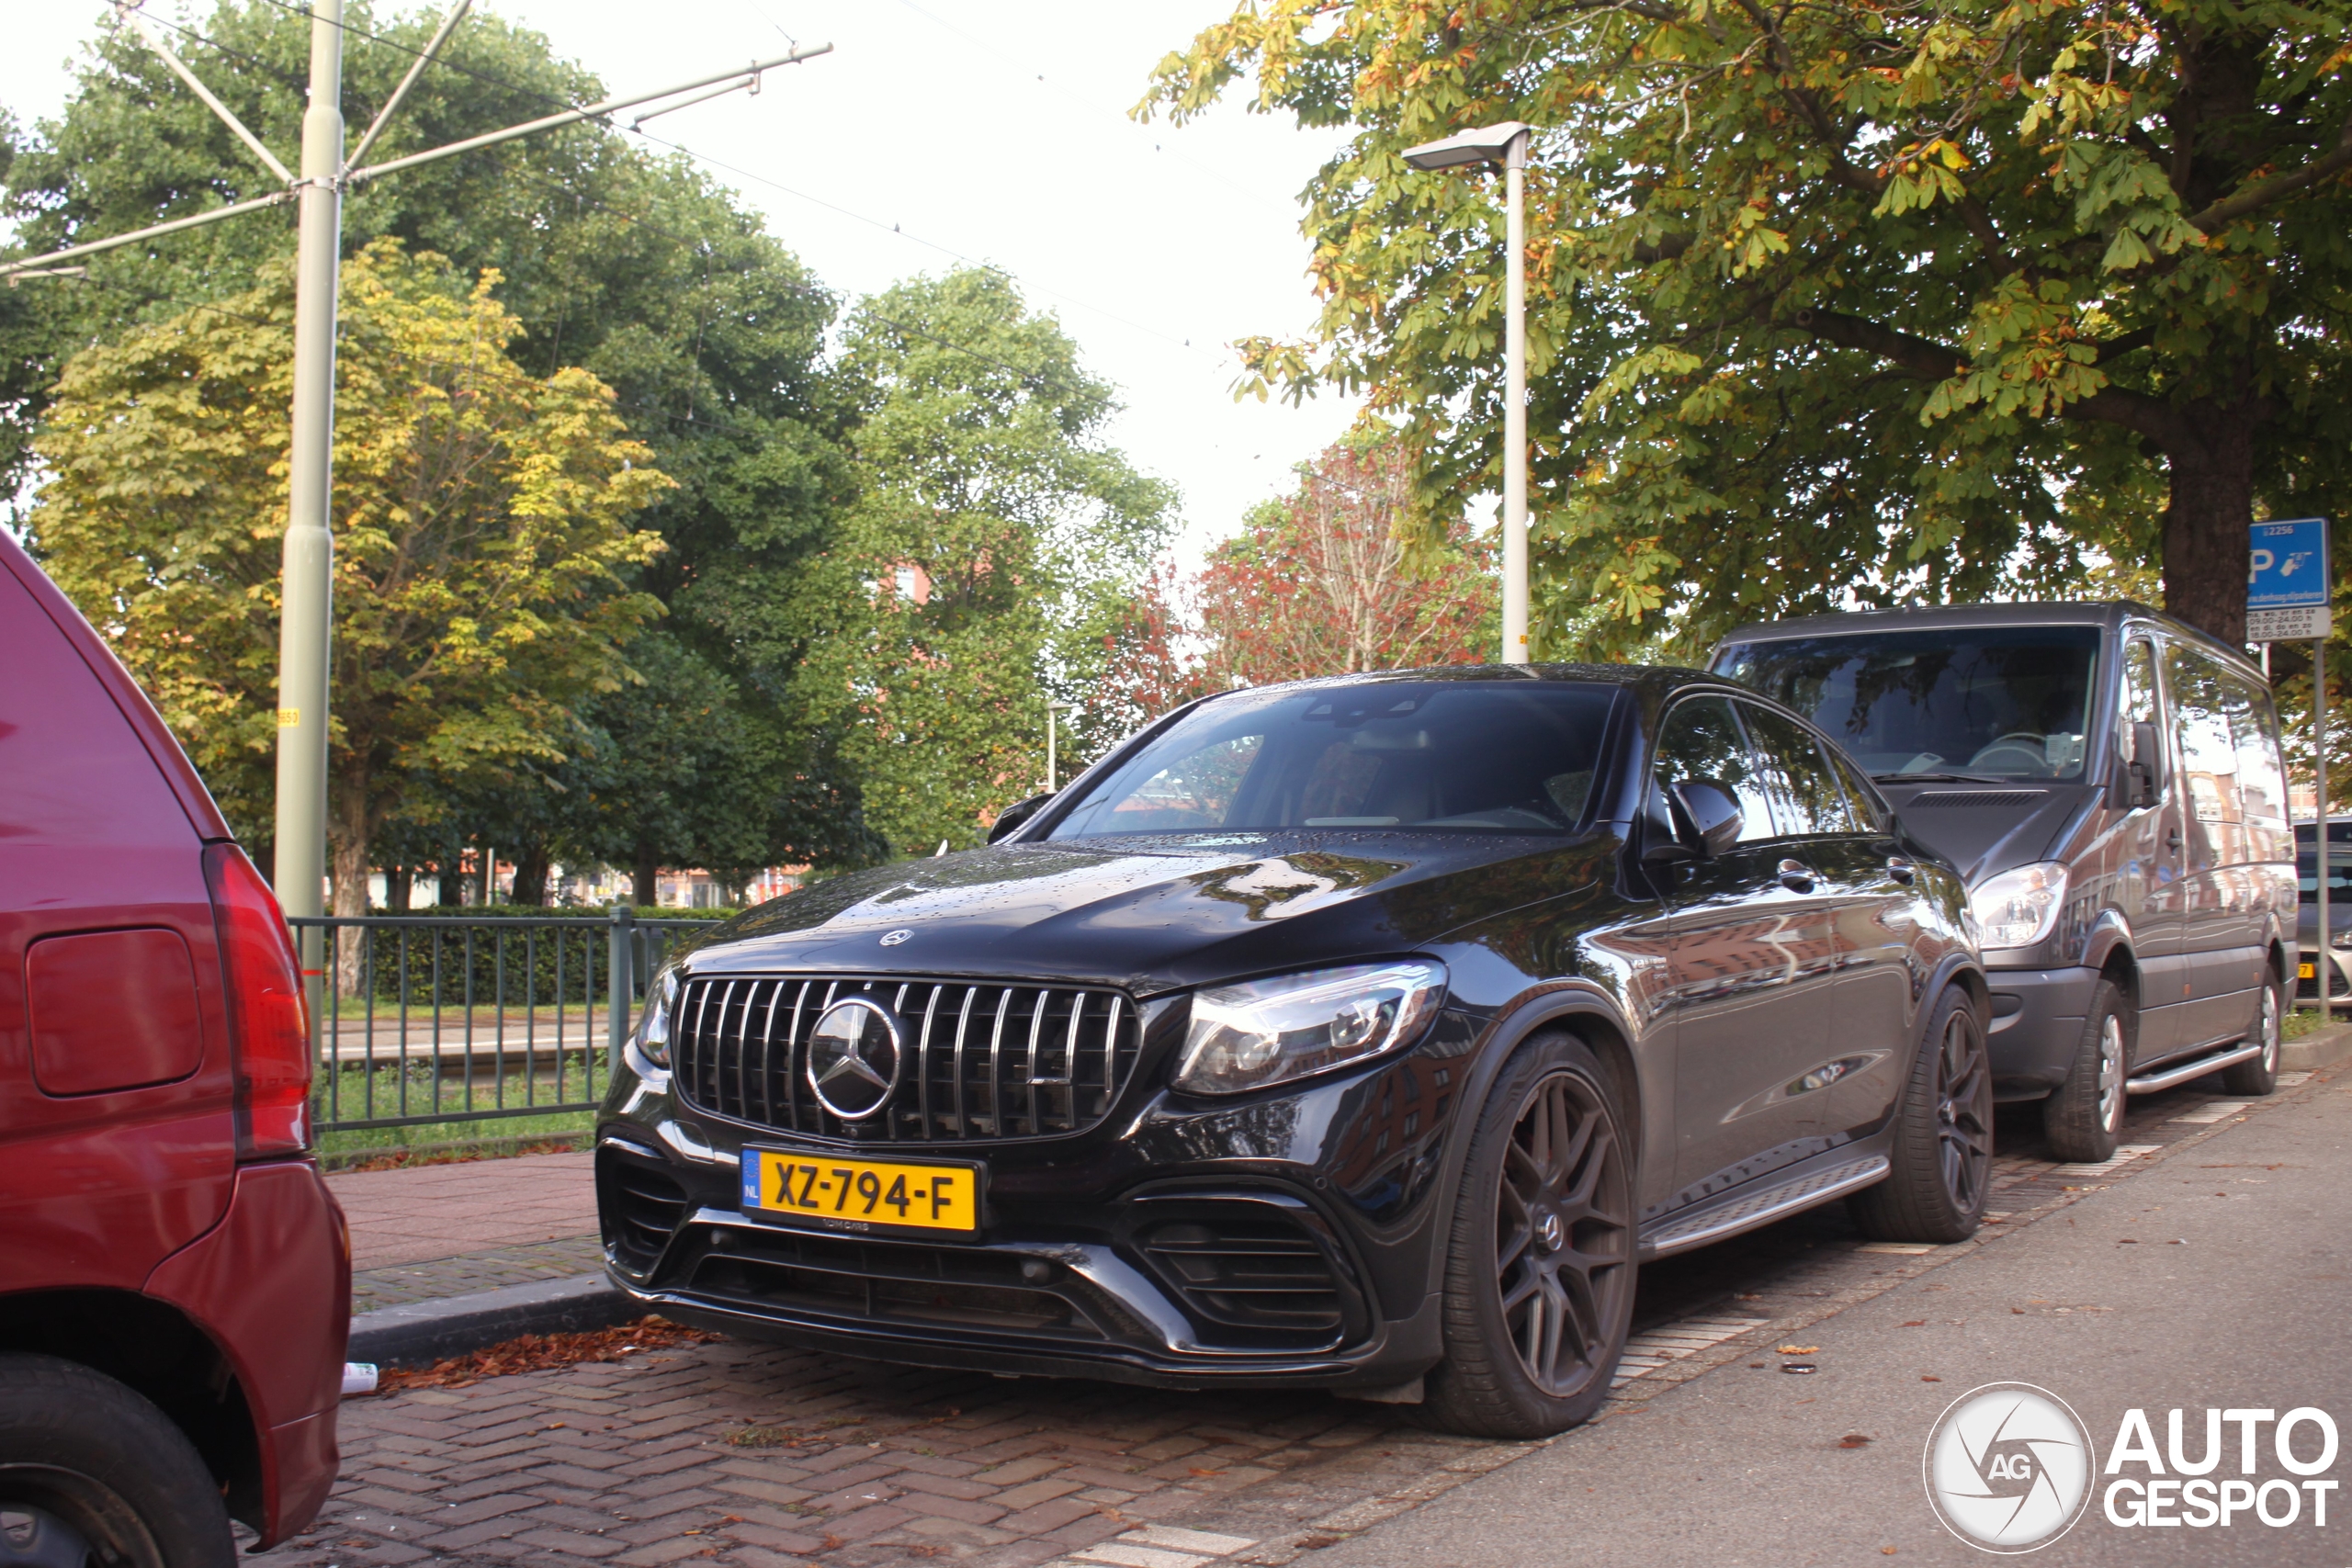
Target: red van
[{"x": 175, "y": 1279}]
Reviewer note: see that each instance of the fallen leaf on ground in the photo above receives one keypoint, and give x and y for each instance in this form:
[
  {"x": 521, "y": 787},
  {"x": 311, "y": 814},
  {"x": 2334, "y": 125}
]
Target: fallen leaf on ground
[
  {"x": 1798, "y": 1350},
  {"x": 538, "y": 1353},
  {"x": 1208, "y": 1472},
  {"x": 1318, "y": 1542},
  {"x": 1853, "y": 1440},
  {"x": 1916, "y": 1323},
  {"x": 1926, "y": 1379}
]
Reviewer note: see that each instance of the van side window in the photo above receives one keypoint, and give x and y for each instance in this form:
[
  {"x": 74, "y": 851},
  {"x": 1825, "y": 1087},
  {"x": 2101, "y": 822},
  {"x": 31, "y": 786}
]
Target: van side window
[
  {"x": 2209, "y": 752},
  {"x": 1701, "y": 739},
  {"x": 2262, "y": 772}
]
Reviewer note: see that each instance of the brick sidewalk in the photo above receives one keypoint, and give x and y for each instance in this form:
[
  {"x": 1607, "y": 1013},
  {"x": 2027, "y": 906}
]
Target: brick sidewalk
[
  {"x": 467, "y": 1208},
  {"x": 401, "y": 1283}
]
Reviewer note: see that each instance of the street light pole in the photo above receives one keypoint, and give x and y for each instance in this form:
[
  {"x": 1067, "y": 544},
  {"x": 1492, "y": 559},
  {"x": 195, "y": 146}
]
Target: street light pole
[
  {"x": 1515, "y": 408},
  {"x": 306, "y": 611},
  {"x": 1506, "y": 144}
]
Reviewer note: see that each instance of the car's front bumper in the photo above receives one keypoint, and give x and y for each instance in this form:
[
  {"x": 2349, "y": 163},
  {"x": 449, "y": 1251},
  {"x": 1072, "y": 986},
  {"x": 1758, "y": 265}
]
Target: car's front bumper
[
  {"x": 1288, "y": 1241},
  {"x": 2307, "y": 974},
  {"x": 2037, "y": 1027}
]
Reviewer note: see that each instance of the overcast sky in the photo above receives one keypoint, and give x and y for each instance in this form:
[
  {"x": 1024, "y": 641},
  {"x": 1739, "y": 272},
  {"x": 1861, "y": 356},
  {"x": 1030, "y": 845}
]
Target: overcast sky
[{"x": 992, "y": 131}]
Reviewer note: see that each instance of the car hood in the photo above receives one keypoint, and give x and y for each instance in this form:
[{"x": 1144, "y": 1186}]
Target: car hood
[
  {"x": 1984, "y": 829},
  {"x": 1154, "y": 913}
]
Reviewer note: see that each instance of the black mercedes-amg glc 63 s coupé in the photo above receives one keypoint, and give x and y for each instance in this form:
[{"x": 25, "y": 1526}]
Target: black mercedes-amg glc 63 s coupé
[{"x": 1364, "y": 1032}]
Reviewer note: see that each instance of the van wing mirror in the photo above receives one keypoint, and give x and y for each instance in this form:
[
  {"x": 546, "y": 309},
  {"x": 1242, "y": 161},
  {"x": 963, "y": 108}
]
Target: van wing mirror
[
  {"x": 2144, "y": 772},
  {"x": 1707, "y": 818}
]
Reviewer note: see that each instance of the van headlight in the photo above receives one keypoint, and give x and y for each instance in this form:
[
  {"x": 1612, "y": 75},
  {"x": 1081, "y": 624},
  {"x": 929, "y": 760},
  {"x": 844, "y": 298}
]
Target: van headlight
[
  {"x": 1266, "y": 1032},
  {"x": 653, "y": 1038},
  {"x": 2019, "y": 907}
]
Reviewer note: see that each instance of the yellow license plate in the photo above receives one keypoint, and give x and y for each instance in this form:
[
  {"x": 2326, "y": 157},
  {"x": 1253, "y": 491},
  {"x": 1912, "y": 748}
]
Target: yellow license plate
[
  {"x": 863, "y": 1191},
  {"x": 2308, "y": 972}
]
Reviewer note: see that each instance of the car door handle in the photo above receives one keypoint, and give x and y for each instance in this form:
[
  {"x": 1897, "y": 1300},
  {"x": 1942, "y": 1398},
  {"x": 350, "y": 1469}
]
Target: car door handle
[
  {"x": 1796, "y": 876},
  {"x": 1901, "y": 870},
  {"x": 2172, "y": 839}
]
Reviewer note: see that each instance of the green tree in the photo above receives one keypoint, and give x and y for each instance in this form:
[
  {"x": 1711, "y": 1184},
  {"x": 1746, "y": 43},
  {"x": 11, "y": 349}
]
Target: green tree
[
  {"x": 633, "y": 267},
  {"x": 1907, "y": 301},
  {"x": 991, "y": 554},
  {"x": 481, "y": 518}
]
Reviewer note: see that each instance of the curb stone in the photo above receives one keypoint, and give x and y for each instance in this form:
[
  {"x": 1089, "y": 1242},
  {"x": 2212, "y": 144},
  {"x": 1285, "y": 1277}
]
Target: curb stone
[
  {"x": 2320, "y": 1048},
  {"x": 421, "y": 1332}
]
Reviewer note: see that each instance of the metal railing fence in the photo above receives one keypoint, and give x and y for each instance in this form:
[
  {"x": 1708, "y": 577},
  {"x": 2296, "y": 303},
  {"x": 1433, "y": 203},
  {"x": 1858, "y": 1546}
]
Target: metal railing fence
[{"x": 424, "y": 1019}]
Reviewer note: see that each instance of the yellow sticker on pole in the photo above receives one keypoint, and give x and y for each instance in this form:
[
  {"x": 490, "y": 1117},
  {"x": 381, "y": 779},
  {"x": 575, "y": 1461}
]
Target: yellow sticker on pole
[{"x": 288, "y": 719}]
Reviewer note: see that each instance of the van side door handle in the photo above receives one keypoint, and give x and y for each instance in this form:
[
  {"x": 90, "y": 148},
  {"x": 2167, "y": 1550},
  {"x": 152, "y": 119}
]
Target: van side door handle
[
  {"x": 1796, "y": 876},
  {"x": 1901, "y": 870}
]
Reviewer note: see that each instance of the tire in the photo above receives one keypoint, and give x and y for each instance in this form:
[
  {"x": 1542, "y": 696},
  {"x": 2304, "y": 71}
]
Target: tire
[
  {"x": 1942, "y": 1155},
  {"x": 2085, "y": 1117},
  {"x": 2259, "y": 1075},
  {"x": 1539, "y": 1281},
  {"x": 87, "y": 1462}
]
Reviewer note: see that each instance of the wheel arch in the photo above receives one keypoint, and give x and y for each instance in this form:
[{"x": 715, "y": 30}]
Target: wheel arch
[{"x": 159, "y": 1353}]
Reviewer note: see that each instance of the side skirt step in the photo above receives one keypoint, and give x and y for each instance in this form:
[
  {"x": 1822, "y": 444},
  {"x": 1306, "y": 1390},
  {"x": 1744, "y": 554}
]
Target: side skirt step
[
  {"x": 2149, "y": 1083},
  {"x": 1762, "y": 1208}
]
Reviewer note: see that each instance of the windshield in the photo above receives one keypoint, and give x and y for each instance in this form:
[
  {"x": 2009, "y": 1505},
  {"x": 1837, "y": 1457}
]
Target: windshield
[
  {"x": 2339, "y": 865},
  {"x": 1445, "y": 755},
  {"x": 2008, "y": 701}
]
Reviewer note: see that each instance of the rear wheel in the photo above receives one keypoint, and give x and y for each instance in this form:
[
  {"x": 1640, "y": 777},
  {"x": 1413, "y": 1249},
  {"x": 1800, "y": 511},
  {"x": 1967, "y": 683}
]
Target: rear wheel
[
  {"x": 2085, "y": 1117},
  {"x": 2258, "y": 1076},
  {"x": 1944, "y": 1137},
  {"x": 1539, "y": 1284},
  {"x": 88, "y": 1467}
]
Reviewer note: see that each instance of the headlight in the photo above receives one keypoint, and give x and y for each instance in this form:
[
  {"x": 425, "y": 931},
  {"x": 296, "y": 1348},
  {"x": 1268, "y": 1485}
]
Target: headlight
[
  {"x": 2019, "y": 907},
  {"x": 1248, "y": 1036},
  {"x": 653, "y": 1024}
]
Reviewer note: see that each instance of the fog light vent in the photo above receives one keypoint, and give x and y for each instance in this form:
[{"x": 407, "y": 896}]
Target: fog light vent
[
  {"x": 1251, "y": 1270},
  {"x": 639, "y": 1208}
]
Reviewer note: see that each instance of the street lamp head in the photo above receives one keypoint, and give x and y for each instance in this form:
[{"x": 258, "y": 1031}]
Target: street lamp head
[{"x": 1487, "y": 144}]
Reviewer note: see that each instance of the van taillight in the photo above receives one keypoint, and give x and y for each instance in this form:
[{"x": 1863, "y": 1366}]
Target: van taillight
[{"x": 268, "y": 1027}]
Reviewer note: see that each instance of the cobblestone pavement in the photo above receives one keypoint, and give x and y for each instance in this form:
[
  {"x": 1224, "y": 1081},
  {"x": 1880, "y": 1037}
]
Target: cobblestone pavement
[
  {"x": 743, "y": 1454},
  {"x": 427, "y": 1211},
  {"x": 401, "y": 1283}
]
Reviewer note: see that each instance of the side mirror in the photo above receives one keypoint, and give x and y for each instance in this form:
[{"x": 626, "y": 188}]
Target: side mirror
[
  {"x": 1706, "y": 817},
  {"x": 1019, "y": 812},
  {"x": 2144, "y": 773}
]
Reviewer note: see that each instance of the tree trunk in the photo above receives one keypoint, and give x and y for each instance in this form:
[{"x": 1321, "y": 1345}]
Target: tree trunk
[
  {"x": 449, "y": 889},
  {"x": 648, "y": 890},
  {"x": 530, "y": 876},
  {"x": 2205, "y": 526},
  {"x": 347, "y": 836}
]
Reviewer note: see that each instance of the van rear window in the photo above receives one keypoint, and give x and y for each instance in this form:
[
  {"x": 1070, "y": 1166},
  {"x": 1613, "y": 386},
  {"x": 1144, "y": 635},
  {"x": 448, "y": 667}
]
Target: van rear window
[{"x": 1995, "y": 702}]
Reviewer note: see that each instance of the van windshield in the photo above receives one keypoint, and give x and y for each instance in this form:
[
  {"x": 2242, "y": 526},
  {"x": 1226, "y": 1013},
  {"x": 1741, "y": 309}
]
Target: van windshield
[
  {"x": 1450, "y": 756},
  {"x": 1998, "y": 701}
]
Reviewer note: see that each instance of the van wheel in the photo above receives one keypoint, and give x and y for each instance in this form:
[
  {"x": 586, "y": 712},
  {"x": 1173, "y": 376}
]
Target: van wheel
[
  {"x": 85, "y": 1463},
  {"x": 1942, "y": 1156},
  {"x": 2258, "y": 1076},
  {"x": 2085, "y": 1117},
  {"x": 1539, "y": 1282}
]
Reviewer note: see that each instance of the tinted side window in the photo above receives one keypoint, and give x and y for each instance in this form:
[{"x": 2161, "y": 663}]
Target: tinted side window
[
  {"x": 2209, "y": 752},
  {"x": 1869, "y": 808},
  {"x": 2138, "y": 704},
  {"x": 1806, "y": 797},
  {"x": 2262, "y": 773},
  {"x": 1701, "y": 739}
]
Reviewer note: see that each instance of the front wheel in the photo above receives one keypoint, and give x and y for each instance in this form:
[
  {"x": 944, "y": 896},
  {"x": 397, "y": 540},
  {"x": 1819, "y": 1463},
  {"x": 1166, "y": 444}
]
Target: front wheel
[
  {"x": 88, "y": 1467},
  {"x": 1942, "y": 1155},
  {"x": 1539, "y": 1282},
  {"x": 2257, "y": 1075}
]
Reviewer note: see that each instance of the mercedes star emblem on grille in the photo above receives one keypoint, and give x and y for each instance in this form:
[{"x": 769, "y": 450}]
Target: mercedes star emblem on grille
[
  {"x": 853, "y": 1058},
  {"x": 892, "y": 938}
]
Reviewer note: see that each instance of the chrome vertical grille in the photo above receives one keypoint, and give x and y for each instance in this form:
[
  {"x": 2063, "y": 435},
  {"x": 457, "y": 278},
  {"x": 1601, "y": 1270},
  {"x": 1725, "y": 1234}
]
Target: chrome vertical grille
[{"x": 1016, "y": 1060}]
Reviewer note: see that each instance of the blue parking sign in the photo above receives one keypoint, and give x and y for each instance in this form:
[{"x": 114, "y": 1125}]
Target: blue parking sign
[{"x": 2288, "y": 566}]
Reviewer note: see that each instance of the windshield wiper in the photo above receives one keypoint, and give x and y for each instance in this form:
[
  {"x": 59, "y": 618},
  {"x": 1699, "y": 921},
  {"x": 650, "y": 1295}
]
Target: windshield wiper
[{"x": 1945, "y": 778}]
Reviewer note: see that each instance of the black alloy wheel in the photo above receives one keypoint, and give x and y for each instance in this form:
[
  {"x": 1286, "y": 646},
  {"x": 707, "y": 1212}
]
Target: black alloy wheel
[
  {"x": 1942, "y": 1153},
  {"x": 1540, "y": 1288}
]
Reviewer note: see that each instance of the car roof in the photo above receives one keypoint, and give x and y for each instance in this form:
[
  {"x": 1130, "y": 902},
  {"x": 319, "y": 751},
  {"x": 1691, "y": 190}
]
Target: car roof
[
  {"x": 1657, "y": 678},
  {"x": 2111, "y": 614}
]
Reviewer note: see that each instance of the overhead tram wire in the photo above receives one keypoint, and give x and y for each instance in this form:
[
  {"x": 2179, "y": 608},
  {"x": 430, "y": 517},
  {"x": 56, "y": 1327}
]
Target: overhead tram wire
[
  {"x": 1034, "y": 380},
  {"x": 355, "y": 32}
]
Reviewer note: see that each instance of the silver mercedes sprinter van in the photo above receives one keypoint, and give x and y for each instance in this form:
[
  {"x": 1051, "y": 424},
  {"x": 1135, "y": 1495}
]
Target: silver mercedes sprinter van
[{"x": 2109, "y": 781}]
